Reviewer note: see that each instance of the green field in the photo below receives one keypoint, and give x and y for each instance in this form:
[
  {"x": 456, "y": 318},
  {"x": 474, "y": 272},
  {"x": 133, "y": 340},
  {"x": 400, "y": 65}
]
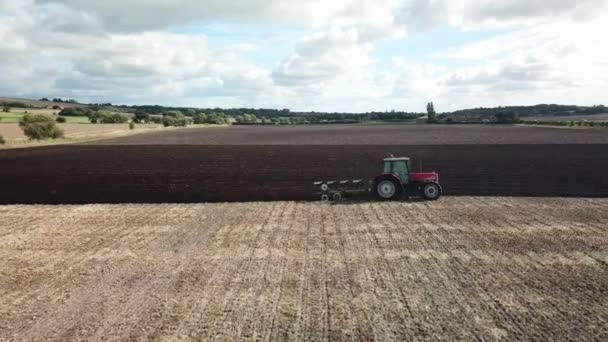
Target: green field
[
  {"x": 15, "y": 115},
  {"x": 10, "y": 117}
]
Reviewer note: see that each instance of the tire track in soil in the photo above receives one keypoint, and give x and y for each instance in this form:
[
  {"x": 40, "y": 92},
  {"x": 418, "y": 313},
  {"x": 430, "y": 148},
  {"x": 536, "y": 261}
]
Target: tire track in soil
[
  {"x": 314, "y": 317},
  {"x": 58, "y": 283},
  {"x": 457, "y": 269},
  {"x": 344, "y": 243},
  {"x": 365, "y": 300},
  {"x": 463, "y": 316},
  {"x": 148, "y": 282},
  {"x": 302, "y": 318},
  {"x": 484, "y": 240},
  {"x": 324, "y": 300},
  {"x": 511, "y": 262},
  {"x": 260, "y": 282},
  {"x": 64, "y": 275},
  {"x": 233, "y": 302},
  {"x": 502, "y": 313},
  {"x": 287, "y": 242},
  {"x": 227, "y": 271},
  {"x": 157, "y": 284},
  {"x": 541, "y": 268},
  {"x": 187, "y": 283},
  {"x": 80, "y": 261},
  {"x": 124, "y": 273},
  {"x": 387, "y": 278},
  {"x": 456, "y": 276}
]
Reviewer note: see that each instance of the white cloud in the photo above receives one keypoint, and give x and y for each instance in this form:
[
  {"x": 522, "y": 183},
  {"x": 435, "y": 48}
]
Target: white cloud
[
  {"x": 324, "y": 56},
  {"x": 475, "y": 14},
  {"x": 118, "y": 15},
  {"x": 133, "y": 67},
  {"x": 124, "y": 52}
]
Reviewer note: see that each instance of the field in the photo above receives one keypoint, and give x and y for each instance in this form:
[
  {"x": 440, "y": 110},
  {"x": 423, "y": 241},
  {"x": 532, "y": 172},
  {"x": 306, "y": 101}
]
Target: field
[
  {"x": 461, "y": 268},
  {"x": 282, "y": 163},
  {"x": 15, "y": 115},
  {"x": 594, "y": 117},
  {"x": 458, "y": 269},
  {"x": 39, "y": 104},
  {"x": 406, "y": 135},
  {"x": 14, "y": 135},
  {"x": 10, "y": 118}
]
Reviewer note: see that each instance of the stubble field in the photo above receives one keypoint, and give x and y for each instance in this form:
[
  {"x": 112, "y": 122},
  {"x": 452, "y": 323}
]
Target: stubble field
[
  {"x": 14, "y": 134},
  {"x": 459, "y": 269}
]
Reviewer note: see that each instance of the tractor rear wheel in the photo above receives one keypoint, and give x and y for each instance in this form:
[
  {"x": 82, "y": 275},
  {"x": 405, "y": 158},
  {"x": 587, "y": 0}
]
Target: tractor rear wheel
[
  {"x": 431, "y": 191},
  {"x": 387, "y": 189}
]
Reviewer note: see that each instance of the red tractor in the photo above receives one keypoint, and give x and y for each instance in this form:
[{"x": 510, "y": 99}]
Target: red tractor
[{"x": 397, "y": 180}]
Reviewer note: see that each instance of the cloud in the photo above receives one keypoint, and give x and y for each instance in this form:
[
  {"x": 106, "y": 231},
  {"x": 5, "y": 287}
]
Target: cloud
[
  {"x": 322, "y": 57},
  {"x": 332, "y": 58},
  {"x": 475, "y": 14},
  {"x": 147, "y": 67},
  {"x": 343, "y": 47},
  {"x": 130, "y": 16}
]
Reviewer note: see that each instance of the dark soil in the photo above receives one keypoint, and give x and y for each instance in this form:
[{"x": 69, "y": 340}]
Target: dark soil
[
  {"x": 190, "y": 173},
  {"x": 368, "y": 135}
]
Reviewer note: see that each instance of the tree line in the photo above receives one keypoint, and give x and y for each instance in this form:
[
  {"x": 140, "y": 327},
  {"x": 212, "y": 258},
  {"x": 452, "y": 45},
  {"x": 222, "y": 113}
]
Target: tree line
[
  {"x": 171, "y": 116},
  {"x": 179, "y": 116},
  {"x": 532, "y": 111}
]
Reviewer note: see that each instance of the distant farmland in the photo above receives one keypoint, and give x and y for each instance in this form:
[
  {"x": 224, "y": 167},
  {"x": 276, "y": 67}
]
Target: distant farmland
[
  {"x": 593, "y": 117},
  {"x": 40, "y": 104},
  {"x": 15, "y": 115}
]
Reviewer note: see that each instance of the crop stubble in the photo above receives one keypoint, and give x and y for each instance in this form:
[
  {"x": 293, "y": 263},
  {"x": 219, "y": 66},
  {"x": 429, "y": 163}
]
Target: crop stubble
[{"x": 460, "y": 268}]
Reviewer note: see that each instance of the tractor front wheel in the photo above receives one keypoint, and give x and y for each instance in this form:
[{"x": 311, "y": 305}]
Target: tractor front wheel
[
  {"x": 387, "y": 189},
  {"x": 431, "y": 191}
]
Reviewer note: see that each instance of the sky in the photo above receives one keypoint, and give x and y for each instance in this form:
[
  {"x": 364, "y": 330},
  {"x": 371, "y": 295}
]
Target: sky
[{"x": 305, "y": 55}]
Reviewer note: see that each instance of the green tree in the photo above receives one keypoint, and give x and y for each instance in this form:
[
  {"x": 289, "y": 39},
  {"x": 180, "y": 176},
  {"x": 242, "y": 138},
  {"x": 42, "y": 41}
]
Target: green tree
[
  {"x": 250, "y": 118},
  {"x": 176, "y": 119},
  {"x": 77, "y": 111},
  {"x": 188, "y": 112},
  {"x": 141, "y": 117},
  {"x": 40, "y": 127},
  {"x": 6, "y": 109},
  {"x": 2, "y": 141},
  {"x": 199, "y": 118},
  {"x": 432, "y": 115},
  {"x": 507, "y": 117}
]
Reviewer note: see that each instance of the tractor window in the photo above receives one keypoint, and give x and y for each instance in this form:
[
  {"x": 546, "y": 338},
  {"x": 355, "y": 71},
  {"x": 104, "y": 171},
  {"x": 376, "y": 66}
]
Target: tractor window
[
  {"x": 388, "y": 166},
  {"x": 400, "y": 168}
]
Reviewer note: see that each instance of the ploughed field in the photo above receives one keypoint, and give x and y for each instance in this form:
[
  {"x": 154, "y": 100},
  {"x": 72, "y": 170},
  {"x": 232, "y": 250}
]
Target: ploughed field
[
  {"x": 396, "y": 134},
  {"x": 468, "y": 268},
  {"x": 155, "y": 168}
]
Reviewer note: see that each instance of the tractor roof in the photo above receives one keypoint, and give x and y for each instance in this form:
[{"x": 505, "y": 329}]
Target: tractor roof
[{"x": 396, "y": 159}]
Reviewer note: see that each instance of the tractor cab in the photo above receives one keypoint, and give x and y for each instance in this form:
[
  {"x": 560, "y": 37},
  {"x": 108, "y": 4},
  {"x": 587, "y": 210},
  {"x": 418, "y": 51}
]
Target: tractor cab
[
  {"x": 399, "y": 167},
  {"x": 397, "y": 179}
]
